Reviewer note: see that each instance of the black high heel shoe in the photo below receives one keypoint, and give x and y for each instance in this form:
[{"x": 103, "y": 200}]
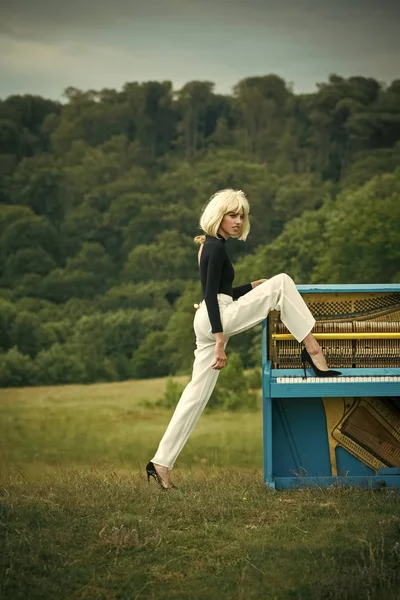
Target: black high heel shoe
[
  {"x": 151, "y": 472},
  {"x": 306, "y": 357}
]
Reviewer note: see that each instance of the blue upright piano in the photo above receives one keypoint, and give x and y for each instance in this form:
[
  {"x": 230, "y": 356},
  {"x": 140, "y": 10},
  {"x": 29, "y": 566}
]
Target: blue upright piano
[{"x": 343, "y": 430}]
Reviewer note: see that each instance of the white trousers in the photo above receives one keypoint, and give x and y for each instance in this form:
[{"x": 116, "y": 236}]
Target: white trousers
[{"x": 278, "y": 293}]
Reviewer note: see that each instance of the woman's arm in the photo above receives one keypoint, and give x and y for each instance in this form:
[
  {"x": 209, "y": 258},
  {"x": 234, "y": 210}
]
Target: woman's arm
[
  {"x": 256, "y": 283},
  {"x": 214, "y": 270},
  {"x": 240, "y": 290}
]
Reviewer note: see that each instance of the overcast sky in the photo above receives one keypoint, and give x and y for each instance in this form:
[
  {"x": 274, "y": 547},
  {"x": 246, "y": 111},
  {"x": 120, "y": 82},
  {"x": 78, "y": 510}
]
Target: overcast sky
[{"x": 48, "y": 45}]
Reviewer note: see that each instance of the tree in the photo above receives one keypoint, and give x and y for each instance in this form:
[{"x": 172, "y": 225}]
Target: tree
[
  {"x": 27, "y": 335},
  {"x": 100, "y": 198},
  {"x": 149, "y": 294},
  {"x": 25, "y": 234},
  {"x": 361, "y": 239},
  {"x": 194, "y": 101},
  {"x": 295, "y": 251},
  {"x": 26, "y": 261},
  {"x": 21, "y": 121},
  {"x": 38, "y": 183},
  {"x": 153, "y": 117},
  {"x": 8, "y": 314},
  {"x": 169, "y": 257},
  {"x": 152, "y": 358},
  {"x": 179, "y": 329},
  {"x": 17, "y": 369},
  {"x": 60, "y": 285},
  {"x": 82, "y": 224},
  {"x": 93, "y": 259},
  {"x": 91, "y": 116},
  {"x": 370, "y": 163},
  {"x": 59, "y": 364},
  {"x": 262, "y": 102},
  {"x": 226, "y": 396}
]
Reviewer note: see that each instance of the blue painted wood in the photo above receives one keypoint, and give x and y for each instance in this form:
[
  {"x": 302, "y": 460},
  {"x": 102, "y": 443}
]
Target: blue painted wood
[
  {"x": 330, "y": 288},
  {"x": 291, "y": 413},
  {"x": 268, "y": 438},
  {"x": 347, "y": 372},
  {"x": 287, "y": 460},
  {"x": 376, "y": 481},
  {"x": 351, "y": 466},
  {"x": 333, "y": 390},
  {"x": 323, "y": 389},
  {"x": 266, "y": 406},
  {"x": 264, "y": 363},
  {"x": 389, "y": 471},
  {"x": 299, "y": 442}
]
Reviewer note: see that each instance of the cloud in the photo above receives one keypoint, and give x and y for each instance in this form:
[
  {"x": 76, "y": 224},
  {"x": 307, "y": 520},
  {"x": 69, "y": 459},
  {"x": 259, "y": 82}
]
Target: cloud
[
  {"x": 91, "y": 44},
  {"x": 46, "y": 58},
  {"x": 56, "y": 17}
]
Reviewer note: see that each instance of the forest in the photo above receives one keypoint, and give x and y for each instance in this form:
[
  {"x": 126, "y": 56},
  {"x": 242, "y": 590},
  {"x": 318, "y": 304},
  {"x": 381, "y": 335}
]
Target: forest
[{"x": 101, "y": 196}]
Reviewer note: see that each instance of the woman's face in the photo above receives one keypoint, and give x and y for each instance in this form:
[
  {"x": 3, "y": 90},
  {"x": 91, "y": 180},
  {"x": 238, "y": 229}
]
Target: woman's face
[{"x": 231, "y": 224}]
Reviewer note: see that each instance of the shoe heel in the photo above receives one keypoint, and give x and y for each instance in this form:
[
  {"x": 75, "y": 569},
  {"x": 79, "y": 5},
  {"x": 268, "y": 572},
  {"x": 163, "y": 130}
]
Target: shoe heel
[
  {"x": 304, "y": 368},
  {"x": 306, "y": 357},
  {"x": 151, "y": 472}
]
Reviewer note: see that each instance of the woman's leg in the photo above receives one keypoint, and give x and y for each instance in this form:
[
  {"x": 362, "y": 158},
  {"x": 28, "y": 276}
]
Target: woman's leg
[
  {"x": 189, "y": 408},
  {"x": 278, "y": 293}
]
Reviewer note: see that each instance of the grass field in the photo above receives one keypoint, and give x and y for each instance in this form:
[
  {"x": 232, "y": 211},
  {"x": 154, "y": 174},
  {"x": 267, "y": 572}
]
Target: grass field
[{"x": 78, "y": 519}]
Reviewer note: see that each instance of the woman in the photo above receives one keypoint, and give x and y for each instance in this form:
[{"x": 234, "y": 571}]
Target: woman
[{"x": 225, "y": 311}]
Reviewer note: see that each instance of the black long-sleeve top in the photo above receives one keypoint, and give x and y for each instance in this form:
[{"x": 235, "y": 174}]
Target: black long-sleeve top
[{"x": 217, "y": 274}]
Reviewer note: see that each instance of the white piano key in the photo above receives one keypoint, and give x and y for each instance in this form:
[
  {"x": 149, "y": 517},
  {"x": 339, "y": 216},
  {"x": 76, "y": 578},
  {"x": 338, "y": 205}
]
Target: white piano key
[{"x": 348, "y": 379}]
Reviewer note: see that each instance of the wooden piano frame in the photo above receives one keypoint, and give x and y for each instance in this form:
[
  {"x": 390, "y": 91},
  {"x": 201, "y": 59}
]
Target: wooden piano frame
[{"x": 283, "y": 399}]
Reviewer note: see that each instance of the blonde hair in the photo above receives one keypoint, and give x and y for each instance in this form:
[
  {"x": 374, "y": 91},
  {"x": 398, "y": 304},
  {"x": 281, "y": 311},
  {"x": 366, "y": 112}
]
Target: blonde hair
[{"x": 221, "y": 203}]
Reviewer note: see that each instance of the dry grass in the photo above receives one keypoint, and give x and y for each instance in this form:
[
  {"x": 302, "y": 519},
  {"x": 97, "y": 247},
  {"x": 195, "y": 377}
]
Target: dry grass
[{"x": 79, "y": 520}]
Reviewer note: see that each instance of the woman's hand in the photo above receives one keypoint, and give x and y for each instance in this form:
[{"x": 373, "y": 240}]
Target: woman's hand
[
  {"x": 220, "y": 359},
  {"x": 256, "y": 283}
]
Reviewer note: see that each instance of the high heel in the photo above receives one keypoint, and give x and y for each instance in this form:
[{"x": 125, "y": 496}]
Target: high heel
[
  {"x": 151, "y": 472},
  {"x": 305, "y": 357}
]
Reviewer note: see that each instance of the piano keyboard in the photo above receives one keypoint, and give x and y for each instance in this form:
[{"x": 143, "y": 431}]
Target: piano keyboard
[
  {"x": 294, "y": 385},
  {"x": 356, "y": 379}
]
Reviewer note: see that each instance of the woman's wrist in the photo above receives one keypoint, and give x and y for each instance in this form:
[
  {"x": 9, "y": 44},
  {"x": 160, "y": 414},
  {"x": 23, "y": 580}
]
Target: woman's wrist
[{"x": 258, "y": 282}]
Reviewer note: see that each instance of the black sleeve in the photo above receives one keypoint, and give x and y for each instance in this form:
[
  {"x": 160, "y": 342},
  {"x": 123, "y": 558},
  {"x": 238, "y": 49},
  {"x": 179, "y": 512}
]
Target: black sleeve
[
  {"x": 214, "y": 270},
  {"x": 240, "y": 290}
]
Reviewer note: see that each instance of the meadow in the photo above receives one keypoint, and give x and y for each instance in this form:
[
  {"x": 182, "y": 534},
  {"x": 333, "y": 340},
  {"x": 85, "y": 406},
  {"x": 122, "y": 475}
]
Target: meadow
[{"x": 78, "y": 519}]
